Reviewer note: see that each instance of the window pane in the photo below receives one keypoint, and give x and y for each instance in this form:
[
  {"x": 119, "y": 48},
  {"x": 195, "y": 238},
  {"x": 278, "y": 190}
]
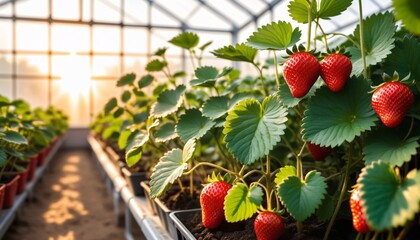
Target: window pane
[
  {"x": 160, "y": 39},
  {"x": 135, "y": 40},
  {"x": 69, "y": 38},
  {"x": 136, "y": 12},
  {"x": 135, "y": 65},
  {"x": 107, "y": 11},
  {"x": 79, "y": 70},
  {"x": 6, "y": 10},
  {"x": 6, "y": 39},
  {"x": 32, "y": 36},
  {"x": 160, "y": 18},
  {"x": 100, "y": 99},
  {"x": 106, "y": 39},
  {"x": 219, "y": 40},
  {"x": 34, "y": 91},
  {"x": 68, "y": 9},
  {"x": 6, "y": 87},
  {"x": 32, "y": 64},
  {"x": 6, "y": 64},
  {"x": 106, "y": 66},
  {"x": 38, "y": 8},
  {"x": 86, "y": 10}
]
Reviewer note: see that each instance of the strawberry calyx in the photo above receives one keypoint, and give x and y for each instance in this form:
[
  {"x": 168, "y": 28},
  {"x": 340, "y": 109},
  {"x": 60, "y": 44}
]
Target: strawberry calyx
[
  {"x": 300, "y": 48},
  {"x": 387, "y": 78},
  {"x": 217, "y": 178},
  {"x": 337, "y": 50}
]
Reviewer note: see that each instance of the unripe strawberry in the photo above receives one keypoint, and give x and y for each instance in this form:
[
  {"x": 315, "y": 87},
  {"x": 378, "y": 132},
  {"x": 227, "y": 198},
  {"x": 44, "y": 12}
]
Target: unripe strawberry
[
  {"x": 358, "y": 216},
  {"x": 268, "y": 226},
  {"x": 335, "y": 70},
  {"x": 212, "y": 201},
  {"x": 301, "y": 70},
  {"x": 391, "y": 102}
]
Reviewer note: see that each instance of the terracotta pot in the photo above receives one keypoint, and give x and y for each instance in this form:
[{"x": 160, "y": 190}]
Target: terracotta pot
[
  {"x": 10, "y": 192},
  {"x": 23, "y": 178},
  {"x": 33, "y": 161},
  {"x": 43, "y": 156},
  {"x": 2, "y": 194}
]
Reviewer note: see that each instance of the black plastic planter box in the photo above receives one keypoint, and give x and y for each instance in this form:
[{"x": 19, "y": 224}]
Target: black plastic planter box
[
  {"x": 163, "y": 213},
  {"x": 133, "y": 180},
  {"x": 181, "y": 230},
  {"x": 150, "y": 202}
]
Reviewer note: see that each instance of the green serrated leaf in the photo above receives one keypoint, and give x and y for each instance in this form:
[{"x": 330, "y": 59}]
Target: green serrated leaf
[
  {"x": 205, "y": 45},
  {"x": 252, "y": 129},
  {"x": 387, "y": 201},
  {"x": 122, "y": 140},
  {"x": 326, "y": 209},
  {"x": 118, "y": 112},
  {"x": 135, "y": 141},
  {"x": 156, "y": 65},
  {"x": 188, "y": 150},
  {"x": 274, "y": 36},
  {"x": 206, "y": 76},
  {"x": 14, "y": 137},
  {"x": 186, "y": 40},
  {"x": 168, "y": 102},
  {"x": 110, "y": 105},
  {"x": 239, "y": 52},
  {"x": 408, "y": 12},
  {"x": 140, "y": 117},
  {"x": 302, "y": 198},
  {"x": 390, "y": 146},
  {"x": 241, "y": 203},
  {"x": 298, "y": 10},
  {"x": 126, "y": 80},
  {"x": 167, "y": 171},
  {"x": 284, "y": 173},
  {"x": 331, "y": 119},
  {"x": 193, "y": 124},
  {"x": 125, "y": 97},
  {"x": 288, "y": 100},
  {"x": 145, "y": 81},
  {"x": 379, "y": 30},
  {"x": 331, "y": 8},
  {"x": 133, "y": 156},
  {"x": 3, "y": 158},
  {"x": 216, "y": 107},
  {"x": 160, "y": 51},
  {"x": 166, "y": 132},
  {"x": 405, "y": 59}
]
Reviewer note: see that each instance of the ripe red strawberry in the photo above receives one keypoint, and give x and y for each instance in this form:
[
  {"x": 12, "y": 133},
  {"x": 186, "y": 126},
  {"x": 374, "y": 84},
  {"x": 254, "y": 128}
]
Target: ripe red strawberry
[
  {"x": 301, "y": 70},
  {"x": 359, "y": 217},
  {"x": 211, "y": 199},
  {"x": 391, "y": 102},
  {"x": 335, "y": 70},
  {"x": 268, "y": 226},
  {"x": 318, "y": 152}
]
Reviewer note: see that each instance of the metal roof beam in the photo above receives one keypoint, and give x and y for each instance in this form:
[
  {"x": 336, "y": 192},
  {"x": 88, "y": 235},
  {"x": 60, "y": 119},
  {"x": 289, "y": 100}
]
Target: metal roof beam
[
  {"x": 270, "y": 7},
  {"x": 167, "y": 12},
  {"x": 7, "y": 2},
  {"x": 243, "y": 8},
  {"x": 219, "y": 14}
]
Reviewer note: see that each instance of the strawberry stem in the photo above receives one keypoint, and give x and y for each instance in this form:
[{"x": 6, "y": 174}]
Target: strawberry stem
[
  {"x": 210, "y": 165},
  {"x": 308, "y": 46},
  {"x": 268, "y": 182},
  {"x": 277, "y": 70},
  {"x": 362, "y": 40},
  {"x": 323, "y": 34},
  {"x": 262, "y": 79},
  {"x": 342, "y": 193}
]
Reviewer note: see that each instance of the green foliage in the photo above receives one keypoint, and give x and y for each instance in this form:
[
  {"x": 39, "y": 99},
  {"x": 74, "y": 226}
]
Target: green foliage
[
  {"x": 408, "y": 12},
  {"x": 3, "y": 157},
  {"x": 284, "y": 173},
  {"x": 239, "y": 52},
  {"x": 390, "y": 145},
  {"x": 135, "y": 142},
  {"x": 242, "y": 202},
  {"x": 379, "y": 32},
  {"x": 168, "y": 102},
  {"x": 122, "y": 140},
  {"x": 125, "y": 97},
  {"x": 216, "y": 107},
  {"x": 388, "y": 200},
  {"x": 145, "y": 81},
  {"x": 110, "y": 105},
  {"x": 332, "y": 119},
  {"x": 405, "y": 59},
  {"x": 156, "y": 65},
  {"x": 166, "y": 132},
  {"x": 119, "y": 112},
  {"x": 170, "y": 168},
  {"x": 302, "y": 198},
  {"x": 326, "y": 209},
  {"x": 193, "y": 124},
  {"x": 13, "y": 137},
  {"x": 331, "y": 8},
  {"x": 186, "y": 40},
  {"x": 252, "y": 129},
  {"x": 127, "y": 79},
  {"x": 274, "y": 36},
  {"x": 206, "y": 76},
  {"x": 288, "y": 100},
  {"x": 298, "y": 10}
]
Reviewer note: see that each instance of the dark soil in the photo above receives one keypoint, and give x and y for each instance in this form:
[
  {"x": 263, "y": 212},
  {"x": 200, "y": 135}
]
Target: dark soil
[
  {"x": 174, "y": 199},
  {"x": 245, "y": 230}
]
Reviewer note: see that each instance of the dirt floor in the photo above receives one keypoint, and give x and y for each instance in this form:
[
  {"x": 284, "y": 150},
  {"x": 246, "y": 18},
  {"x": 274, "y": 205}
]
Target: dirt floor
[{"x": 71, "y": 202}]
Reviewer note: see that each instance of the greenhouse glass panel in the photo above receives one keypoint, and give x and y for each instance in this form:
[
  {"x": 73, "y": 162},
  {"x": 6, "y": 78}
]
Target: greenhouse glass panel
[
  {"x": 98, "y": 88},
  {"x": 136, "y": 12},
  {"x": 181, "y": 9},
  {"x": 6, "y": 39},
  {"x": 6, "y": 64},
  {"x": 6, "y": 10},
  {"x": 233, "y": 10},
  {"x": 253, "y": 6},
  {"x": 203, "y": 16},
  {"x": 160, "y": 38},
  {"x": 33, "y": 65},
  {"x": 70, "y": 38},
  {"x": 107, "y": 10},
  {"x": 106, "y": 39},
  {"x": 6, "y": 86},
  {"x": 68, "y": 9},
  {"x": 30, "y": 8},
  {"x": 106, "y": 66},
  {"x": 135, "y": 40},
  {"x": 36, "y": 32},
  {"x": 160, "y": 18},
  {"x": 135, "y": 65},
  {"x": 34, "y": 91}
]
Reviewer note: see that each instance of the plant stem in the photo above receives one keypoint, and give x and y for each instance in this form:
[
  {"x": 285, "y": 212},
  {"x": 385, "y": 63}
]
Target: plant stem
[
  {"x": 192, "y": 58},
  {"x": 181, "y": 186},
  {"x": 277, "y": 70},
  {"x": 340, "y": 199},
  {"x": 210, "y": 165},
  {"x": 390, "y": 235},
  {"x": 299, "y": 169},
  {"x": 362, "y": 40},
  {"x": 375, "y": 236},
  {"x": 323, "y": 34},
  {"x": 409, "y": 130},
  {"x": 308, "y": 44},
  {"x": 405, "y": 230},
  {"x": 268, "y": 182},
  {"x": 191, "y": 180},
  {"x": 359, "y": 235},
  {"x": 262, "y": 78}
]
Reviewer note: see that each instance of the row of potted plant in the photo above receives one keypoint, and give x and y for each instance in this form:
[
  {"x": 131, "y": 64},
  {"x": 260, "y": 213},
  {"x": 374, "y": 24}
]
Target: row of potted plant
[
  {"x": 323, "y": 143},
  {"x": 26, "y": 137}
]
